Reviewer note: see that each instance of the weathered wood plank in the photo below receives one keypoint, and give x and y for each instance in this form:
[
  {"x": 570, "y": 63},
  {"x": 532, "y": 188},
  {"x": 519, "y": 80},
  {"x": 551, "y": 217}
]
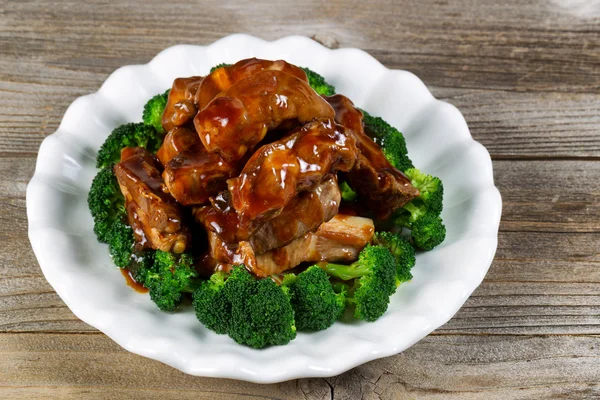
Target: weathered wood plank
[
  {"x": 513, "y": 45},
  {"x": 471, "y": 59},
  {"x": 522, "y": 125},
  {"x": 439, "y": 367}
]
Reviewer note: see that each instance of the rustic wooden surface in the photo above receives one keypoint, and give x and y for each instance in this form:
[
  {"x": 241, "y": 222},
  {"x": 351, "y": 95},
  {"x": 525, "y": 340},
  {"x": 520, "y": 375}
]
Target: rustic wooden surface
[{"x": 526, "y": 75}]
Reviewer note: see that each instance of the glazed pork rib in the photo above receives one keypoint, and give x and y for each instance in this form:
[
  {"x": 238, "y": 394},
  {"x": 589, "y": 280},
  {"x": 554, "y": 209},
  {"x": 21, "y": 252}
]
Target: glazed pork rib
[
  {"x": 181, "y": 105},
  {"x": 236, "y": 120},
  {"x": 223, "y": 78},
  {"x": 148, "y": 204},
  {"x": 192, "y": 178},
  {"x": 339, "y": 240},
  {"x": 278, "y": 171},
  {"x": 178, "y": 140},
  {"x": 384, "y": 187},
  {"x": 192, "y": 174},
  {"x": 305, "y": 213}
]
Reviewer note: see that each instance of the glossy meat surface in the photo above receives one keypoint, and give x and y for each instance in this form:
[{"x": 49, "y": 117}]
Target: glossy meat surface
[
  {"x": 148, "y": 204},
  {"x": 193, "y": 177},
  {"x": 384, "y": 187},
  {"x": 339, "y": 240},
  {"x": 235, "y": 121},
  {"x": 231, "y": 254},
  {"x": 223, "y": 78},
  {"x": 181, "y": 105},
  {"x": 305, "y": 213},
  {"x": 178, "y": 140},
  {"x": 276, "y": 172}
]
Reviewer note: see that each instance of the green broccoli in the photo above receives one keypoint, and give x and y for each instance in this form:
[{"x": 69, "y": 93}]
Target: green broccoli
[
  {"x": 317, "y": 82},
  {"x": 128, "y": 135},
  {"x": 264, "y": 318},
  {"x": 402, "y": 251},
  {"x": 106, "y": 203},
  {"x": 347, "y": 193},
  {"x": 153, "y": 111},
  {"x": 120, "y": 243},
  {"x": 375, "y": 281},
  {"x": 212, "y": 307},
  {"x": 428, "y": 231},
  {"x": 167, "y": 278},
  {"x": 256, "y": 313},
  {"x": 316, "y": 305},
  {"x": 421, "y": 214},
  {"x": 219, "y": 66},
  {"x": 431, "y": 190},
  {"x": 390, "y": 140}
]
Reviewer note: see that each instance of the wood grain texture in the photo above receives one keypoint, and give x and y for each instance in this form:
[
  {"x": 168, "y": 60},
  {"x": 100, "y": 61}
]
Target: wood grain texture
[{"x": 526, "y": 75}]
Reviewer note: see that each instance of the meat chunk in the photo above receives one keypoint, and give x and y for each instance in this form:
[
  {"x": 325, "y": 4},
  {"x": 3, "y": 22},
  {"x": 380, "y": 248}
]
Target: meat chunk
[
  {"x": 223, "y": 78},
  {"x": 148, "y": 204},
  {"x": 181, "y": 105},
  {"x": 176, "y": 141},
  {"x": 384, "y": 187},
  {"x": 236, "y": 120},
  {"x": 193, "y": 177},
  {"x": 305, "y": 213},
  {"x": 299, "y": 162},
  {"x": 339, "y": 240},
  {"x": 231, "y": 254},
  {"x": 191, "y": 174}
]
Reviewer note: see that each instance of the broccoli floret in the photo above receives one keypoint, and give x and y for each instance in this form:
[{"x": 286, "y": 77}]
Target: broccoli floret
[
  {"x": 375, "y": 273},
  {"x": 316, "y": 305},
  {"x": 212, "y": 307},
  {"x": 318, "y": 83},
  {"x": 421, "y": 214},
  {"x": 256, "y": 313},
  {"x": 430, "y": 188},
  {"x": 428, "y": 231},
  {"x": 390, "y": 140},
  {"x": 402, "y": 251},
  {"x": 106, "y": 203},
  {"x": 167, "y": 278},
  {"x": 153, "y": 111},
  {"x": 219, "y": 66},
  {"x": 265, "y": 318},
  {"x": 128, "y": 135},
  {"x": 347, "y": 193},
  {"x": 120, "y": 243}
]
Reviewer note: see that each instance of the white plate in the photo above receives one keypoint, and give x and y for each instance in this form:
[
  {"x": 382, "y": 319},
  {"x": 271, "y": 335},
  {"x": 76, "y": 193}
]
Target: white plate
[{"x": 82, "y": 273}]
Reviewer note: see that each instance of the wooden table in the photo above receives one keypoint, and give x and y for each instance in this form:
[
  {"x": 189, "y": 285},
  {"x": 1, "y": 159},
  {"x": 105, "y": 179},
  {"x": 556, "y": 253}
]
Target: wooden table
[{"x": 526, "y": 75}]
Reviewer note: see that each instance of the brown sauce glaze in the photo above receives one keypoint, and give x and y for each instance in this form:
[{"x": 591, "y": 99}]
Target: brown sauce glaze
[
  {"x": 158, "y": 214},
  {"x": 176, "y": 141},
  {"x": 138, "y": 287},
  {"x": 193, "y": 177},
  {"x": 384, "y": 187},
  {"x": 304, "y": 213},
  {"x": 223, "y": 78},
  {"x": 278, "y": 171},
  {"x": 235, "y": 121},
  {"x": 181, "y": 107}
]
